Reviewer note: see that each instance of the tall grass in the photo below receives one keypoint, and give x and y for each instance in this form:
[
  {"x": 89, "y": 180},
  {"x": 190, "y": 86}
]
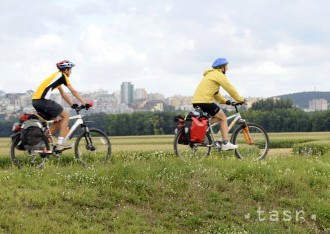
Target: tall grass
[
  {"x": 145, "y": 188},
  {"x": 157, "y": 192}
]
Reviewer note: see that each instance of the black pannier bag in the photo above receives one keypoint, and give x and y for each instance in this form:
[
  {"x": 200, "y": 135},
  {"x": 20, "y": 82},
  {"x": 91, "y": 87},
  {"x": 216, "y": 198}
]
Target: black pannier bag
[
  {"x": 31, "y": 133},
  {"x": 187, "y": 125},
  {"x": 179, "y": 119}
]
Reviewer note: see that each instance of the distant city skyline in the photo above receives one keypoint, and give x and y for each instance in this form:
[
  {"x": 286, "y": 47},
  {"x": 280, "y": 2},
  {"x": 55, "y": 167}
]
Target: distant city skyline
[
  {"x": 140, "y": 100},
  {"x": 118, "y": 90}
]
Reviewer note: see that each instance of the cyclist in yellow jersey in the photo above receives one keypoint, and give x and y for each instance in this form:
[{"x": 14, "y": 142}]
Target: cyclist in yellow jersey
[
  {"x": 49, "y": 109},
  {"x": 208, "y": 91}
]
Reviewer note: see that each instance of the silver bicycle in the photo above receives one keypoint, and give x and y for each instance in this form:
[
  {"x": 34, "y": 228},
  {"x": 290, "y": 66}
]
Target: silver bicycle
[
  {"x": 91, "y": 145},
  {"x": 252, "y": 140}
]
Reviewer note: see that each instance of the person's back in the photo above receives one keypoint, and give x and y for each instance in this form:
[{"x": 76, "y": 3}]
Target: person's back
[
  {"x": 49, "y": 84},
  {"x": 208, "y": 89}
]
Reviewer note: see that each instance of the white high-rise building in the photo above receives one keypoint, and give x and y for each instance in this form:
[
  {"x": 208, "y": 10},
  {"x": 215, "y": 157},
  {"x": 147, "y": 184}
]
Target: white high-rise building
[{"x": 127, "y": 93}]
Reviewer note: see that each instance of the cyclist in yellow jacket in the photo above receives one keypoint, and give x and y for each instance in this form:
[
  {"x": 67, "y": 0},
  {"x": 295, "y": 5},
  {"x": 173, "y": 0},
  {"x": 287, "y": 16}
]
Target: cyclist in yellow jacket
[
  {"x": 49, "y": 109},
  {"x": 208, "y": 91}
]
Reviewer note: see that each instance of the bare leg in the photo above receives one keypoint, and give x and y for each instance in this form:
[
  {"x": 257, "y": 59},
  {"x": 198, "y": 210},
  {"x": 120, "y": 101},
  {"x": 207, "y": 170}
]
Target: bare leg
[
  {"x": 64, "y": 129},
  {"x": 54, "y": 128},
  {"x": 63, "y": 124},
  {"x": 221, "y": 116}
]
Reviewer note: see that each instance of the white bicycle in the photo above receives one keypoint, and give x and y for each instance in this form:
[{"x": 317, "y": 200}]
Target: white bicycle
[
  {"x": 90, "y": 146},
  {"x": 251, "y": 138}
]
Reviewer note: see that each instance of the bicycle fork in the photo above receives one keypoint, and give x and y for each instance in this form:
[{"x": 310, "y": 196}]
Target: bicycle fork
[
  {"x": 88, "y": 139},
  {"x": 247, "y": 136}
]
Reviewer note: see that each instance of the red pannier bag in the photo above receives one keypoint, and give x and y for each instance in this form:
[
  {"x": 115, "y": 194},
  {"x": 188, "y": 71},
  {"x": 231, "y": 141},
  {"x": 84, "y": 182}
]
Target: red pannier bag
[{"x": 198, "y": 129}]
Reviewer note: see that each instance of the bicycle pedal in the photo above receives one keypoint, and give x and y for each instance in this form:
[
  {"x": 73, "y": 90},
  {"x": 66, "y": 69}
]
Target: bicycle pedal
[{"x": 217, "y": 144}]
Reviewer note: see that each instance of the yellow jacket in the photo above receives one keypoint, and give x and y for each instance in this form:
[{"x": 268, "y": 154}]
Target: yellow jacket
[{"x": 208, "y": 89}]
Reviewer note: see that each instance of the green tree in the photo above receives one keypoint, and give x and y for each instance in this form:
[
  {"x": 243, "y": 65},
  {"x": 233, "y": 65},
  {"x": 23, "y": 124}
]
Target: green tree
[{"x": 271, "y": 104}]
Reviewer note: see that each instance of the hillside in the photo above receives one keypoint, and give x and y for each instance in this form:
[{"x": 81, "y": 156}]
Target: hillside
[
  {"x": 301, "y": 99},
  {"x": 146, "y": 189}
]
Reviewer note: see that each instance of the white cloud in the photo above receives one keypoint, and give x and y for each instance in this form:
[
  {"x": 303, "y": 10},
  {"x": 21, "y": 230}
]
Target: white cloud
[
  {"x": 274, "y": 47},
  {"x": 46, "y": 41}
]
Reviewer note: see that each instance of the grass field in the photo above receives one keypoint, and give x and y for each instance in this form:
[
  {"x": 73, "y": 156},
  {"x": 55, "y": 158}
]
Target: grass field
[{"x": 145, "y": 188}]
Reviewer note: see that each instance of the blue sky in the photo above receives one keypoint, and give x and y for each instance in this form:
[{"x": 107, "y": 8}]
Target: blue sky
[{"x": 274, "y": 47}]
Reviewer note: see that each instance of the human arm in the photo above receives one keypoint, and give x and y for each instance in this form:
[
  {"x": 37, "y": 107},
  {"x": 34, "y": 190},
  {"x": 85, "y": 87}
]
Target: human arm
[
  {"x": 230, "y": 89},
  {"x": 219, "y": 98},
  {"x": 65, "y": 96},
  {"x": 76, "y": 94}
]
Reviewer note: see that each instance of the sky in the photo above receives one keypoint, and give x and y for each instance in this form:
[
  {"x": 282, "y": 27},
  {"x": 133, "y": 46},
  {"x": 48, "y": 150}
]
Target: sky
[{"x": 273, "y": 47}]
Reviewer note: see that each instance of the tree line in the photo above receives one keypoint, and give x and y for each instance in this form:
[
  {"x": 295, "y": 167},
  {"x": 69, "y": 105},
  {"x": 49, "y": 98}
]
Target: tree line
[
  {"x": 138, "y": 123},
  {"x": 290, "y": 120},
  {"x": 273, "y": 115}
]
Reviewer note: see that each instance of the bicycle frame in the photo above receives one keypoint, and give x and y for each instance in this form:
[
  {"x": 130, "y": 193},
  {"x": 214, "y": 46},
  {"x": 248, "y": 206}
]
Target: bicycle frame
[
  {"x": 79, "y": 122},
  {"x": 236, "y": 117}
]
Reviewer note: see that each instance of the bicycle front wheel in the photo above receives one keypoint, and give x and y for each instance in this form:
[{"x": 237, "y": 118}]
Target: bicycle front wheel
[
  {"x": 92, "y": 146},
  {"x": 252, "y": 142},
  {"x": 189, "y": 151}
]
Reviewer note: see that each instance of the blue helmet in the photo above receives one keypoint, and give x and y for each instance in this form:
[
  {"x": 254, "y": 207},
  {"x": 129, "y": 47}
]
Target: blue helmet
[
  {"x": 219, "y": 62},
  {"x": 64, "y": 64}
]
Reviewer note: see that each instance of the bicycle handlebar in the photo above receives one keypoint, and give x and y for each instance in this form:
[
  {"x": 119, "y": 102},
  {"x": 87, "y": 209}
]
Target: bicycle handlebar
[
  {"x": 81, "y": 107},
  {"x": 236, "y": 104}
]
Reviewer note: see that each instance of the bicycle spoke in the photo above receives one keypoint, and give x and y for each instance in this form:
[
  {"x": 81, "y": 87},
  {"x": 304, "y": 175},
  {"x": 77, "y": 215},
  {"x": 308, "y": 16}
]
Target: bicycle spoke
[
  {"x": 29, "y": 156},
  {"x": 92, "y": 147},
  {"x": 256, "y": 147},
  {"x": 192, "y": 151}
]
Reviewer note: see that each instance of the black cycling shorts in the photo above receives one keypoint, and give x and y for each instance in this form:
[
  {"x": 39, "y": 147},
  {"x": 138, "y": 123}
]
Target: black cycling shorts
[
  {"x": 48, "y": 109},
  {"x": 210, "y": 108}
]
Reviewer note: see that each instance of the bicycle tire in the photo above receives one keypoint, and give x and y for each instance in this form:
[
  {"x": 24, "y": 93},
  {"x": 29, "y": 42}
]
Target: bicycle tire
[
  {"x": 256, "y": 150},
  {"x": 189, "y": 150},
  {"x": 21, "y": 157},
  {"x": 99, "y": 149}
]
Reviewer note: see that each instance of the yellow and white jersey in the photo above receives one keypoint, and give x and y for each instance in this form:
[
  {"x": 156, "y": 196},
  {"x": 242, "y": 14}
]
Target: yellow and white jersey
[{"x": 49, "y": 84}]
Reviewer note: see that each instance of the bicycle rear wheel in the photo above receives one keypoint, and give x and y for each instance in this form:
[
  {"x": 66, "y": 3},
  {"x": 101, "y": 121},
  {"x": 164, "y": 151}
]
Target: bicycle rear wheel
[
  {"x": 92, "y": 146},
  {"x": 252, "y": 142},
  {"x": 29, "y": 155},
  {"x": 191, "y": 151}
]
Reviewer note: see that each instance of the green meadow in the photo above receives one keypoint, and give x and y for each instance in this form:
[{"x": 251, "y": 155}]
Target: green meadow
[{"x": 146, "y": 188}]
